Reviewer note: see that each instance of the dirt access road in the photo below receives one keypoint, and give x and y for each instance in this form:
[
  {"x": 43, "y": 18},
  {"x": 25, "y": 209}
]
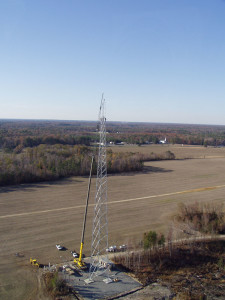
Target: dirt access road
[{"x": 35, "y": 217}]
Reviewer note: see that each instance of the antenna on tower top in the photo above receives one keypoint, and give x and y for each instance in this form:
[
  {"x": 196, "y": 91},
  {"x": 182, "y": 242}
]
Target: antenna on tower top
[{"x": 102, "y": 108}]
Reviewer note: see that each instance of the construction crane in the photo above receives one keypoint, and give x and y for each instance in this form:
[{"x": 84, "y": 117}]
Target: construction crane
[{"x": 78, "y": 261}]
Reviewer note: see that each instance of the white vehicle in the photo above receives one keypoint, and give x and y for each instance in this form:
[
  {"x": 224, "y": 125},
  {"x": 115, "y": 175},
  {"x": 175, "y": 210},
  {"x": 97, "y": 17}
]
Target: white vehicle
[
  {"x": 111, "y": 249},
  {"x": 123, "y": 247},
  {"x": 59, "y": 247},
  {"x": 75, "y": 254}
]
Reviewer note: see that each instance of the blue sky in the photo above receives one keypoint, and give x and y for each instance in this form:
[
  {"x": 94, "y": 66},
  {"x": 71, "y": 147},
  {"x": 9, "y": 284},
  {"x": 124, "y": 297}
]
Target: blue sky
[{"x": 155, "y": 60}]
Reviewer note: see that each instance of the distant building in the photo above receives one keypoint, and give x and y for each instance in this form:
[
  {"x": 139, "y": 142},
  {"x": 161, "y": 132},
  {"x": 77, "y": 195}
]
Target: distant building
[{"x": 163, "y": 141}]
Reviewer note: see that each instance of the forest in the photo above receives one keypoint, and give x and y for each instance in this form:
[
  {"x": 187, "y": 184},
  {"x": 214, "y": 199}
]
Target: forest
[
  {"x": 34, "y": 150},
  {"x": 18, "y": 134},
  {"x": 52, "y": 162}
]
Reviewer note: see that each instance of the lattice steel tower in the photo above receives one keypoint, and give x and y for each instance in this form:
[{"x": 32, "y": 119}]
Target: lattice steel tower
[{"x": 100, "y": 222}]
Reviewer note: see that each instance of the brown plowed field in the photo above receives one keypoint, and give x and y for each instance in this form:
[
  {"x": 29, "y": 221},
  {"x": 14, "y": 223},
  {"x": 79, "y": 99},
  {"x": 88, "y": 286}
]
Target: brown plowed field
[{"x": 35, "y": 217}]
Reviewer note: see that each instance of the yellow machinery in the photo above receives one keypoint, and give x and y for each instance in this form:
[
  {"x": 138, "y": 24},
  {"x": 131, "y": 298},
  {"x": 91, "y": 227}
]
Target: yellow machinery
[
  {"x": 34, "y": 262},
  {"x": 78, "y": 261}
]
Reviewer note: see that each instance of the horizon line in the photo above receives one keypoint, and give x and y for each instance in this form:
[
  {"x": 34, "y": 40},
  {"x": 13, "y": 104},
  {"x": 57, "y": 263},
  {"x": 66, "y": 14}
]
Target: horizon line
[{"x": 140, "y": 122}]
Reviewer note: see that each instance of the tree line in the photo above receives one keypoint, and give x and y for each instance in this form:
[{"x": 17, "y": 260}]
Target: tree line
[
  {"x": 52, "y": 162},
  {"x": 15, "y": 135},
  {"x": 18, "y": 144}
]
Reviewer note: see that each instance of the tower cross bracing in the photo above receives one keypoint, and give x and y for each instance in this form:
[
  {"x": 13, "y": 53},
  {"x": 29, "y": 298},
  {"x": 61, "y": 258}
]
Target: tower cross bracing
[{"x": 100, "y": 221}]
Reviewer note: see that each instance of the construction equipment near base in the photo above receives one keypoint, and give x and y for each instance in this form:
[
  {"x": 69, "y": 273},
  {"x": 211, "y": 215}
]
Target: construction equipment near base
[
  {"x": 34, "y": 263},
  {"x": 78, "y": 261}
]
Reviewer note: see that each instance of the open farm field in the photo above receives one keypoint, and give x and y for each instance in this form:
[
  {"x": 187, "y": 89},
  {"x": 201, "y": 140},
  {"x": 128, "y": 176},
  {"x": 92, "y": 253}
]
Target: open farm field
[
  {"x": 181, "y": 152},
  {"x": 35, "y": 217}
]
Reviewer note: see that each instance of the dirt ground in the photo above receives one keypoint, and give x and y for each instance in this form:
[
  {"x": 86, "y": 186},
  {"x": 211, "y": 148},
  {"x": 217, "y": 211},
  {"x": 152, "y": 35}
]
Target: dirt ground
[{"x": 35, "y": 217}]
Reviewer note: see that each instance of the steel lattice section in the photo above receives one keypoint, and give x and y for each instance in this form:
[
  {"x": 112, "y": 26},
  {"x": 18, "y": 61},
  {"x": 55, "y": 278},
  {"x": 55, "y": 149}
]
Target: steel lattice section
[{"x": 100, "y": 222}]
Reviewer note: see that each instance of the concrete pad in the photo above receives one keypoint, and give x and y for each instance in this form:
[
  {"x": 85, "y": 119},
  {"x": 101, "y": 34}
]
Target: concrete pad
[{"x": 102, "y": 287}]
